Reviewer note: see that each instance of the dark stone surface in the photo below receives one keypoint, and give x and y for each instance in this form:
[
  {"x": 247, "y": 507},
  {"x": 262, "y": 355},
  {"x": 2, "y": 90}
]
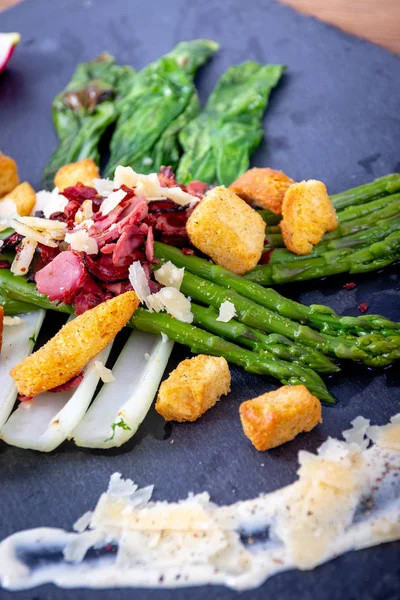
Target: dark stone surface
[{"x": 334, "y": 117}]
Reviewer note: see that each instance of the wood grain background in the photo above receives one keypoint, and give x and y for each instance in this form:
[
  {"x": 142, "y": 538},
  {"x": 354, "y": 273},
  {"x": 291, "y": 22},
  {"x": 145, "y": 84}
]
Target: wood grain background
[{"x": 375, "y": 20}]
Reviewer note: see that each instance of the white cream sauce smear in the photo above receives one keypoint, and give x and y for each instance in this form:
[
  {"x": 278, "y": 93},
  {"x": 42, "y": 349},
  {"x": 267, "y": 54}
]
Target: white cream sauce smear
[{"x": 347, "y": 497}]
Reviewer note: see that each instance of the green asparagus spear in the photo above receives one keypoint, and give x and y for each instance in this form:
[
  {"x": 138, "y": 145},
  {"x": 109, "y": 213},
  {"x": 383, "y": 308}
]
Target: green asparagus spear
[
  {"x": 322, "y": 318},
  {"x": 371, "y": 258},
  {"x": 203, "y": 342},
  {"x": 218, "y": 143},
  {"x": 199, "y": 341},
  {"x": 159, "y": 94},
  {"x": 389, "y": 184},
  {"x": 280, "y": 346},
  {"x": 84, "y": 110},
  {"x": 365, "y": 232},
  {"x": 15, "y": 307}
]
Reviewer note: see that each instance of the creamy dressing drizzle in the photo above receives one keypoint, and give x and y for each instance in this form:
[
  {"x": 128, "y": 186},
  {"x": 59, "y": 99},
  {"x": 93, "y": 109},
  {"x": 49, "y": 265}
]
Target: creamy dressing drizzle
[{"x": 347, "y": 497}]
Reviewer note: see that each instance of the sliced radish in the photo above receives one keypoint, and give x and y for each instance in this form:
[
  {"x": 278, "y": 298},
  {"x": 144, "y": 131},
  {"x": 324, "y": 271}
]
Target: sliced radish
[
  {"x": 18, "y": 343},
  {"x": 46, "y": 421},
  {"x": 121, "y": 405},
  {"x": 8, "y": 42}
]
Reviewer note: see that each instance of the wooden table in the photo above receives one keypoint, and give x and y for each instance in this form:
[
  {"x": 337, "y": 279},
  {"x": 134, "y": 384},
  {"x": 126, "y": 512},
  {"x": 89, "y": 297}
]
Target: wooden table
[{"x": 375, "y": 20}]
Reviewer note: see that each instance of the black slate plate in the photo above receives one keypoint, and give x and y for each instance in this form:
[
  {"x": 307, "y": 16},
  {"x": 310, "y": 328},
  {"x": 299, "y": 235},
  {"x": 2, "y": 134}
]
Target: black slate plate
[{"x": 335, "y": 117}]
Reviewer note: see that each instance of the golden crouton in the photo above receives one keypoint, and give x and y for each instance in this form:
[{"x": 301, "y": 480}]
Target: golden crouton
[
  {"x": 1, "y": 326},
  {"x": 24, "y": 198},
  {"x": 225, "y": 228},
  {"x": 84, "y": 170},
  {"x": 193, "y": 387},
  {"x": 65, "y": 355},
  {"x": 264, "y": 188},
  {"x": 277, "y": 417},
  {"x": 307, "y": 214},
  {"x": 8, "y": 174}
]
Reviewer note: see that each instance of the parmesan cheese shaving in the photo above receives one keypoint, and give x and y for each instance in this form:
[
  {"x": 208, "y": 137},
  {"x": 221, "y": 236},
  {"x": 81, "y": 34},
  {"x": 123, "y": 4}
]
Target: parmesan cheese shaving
[
  {"x": 105, "y": 374},
  {"x": 23, "y": 257},
  {"x": 227, "y": 311},
  {"x": 138, "y": 280},
  {"x": 81, "y": 241},
  {"x": 104, "y": 187},
  {"x": 33, "y": 234},
  {"x": 8, "y": 209},
  {"x": 150, "y": 187},
  {"x": 173, "y": 301},
  {"x": 84, "y": 213},
  {"x": 50, "y": 202},
  {"x": 170, "y": 275},
  {"x": 112, "y": 201}
]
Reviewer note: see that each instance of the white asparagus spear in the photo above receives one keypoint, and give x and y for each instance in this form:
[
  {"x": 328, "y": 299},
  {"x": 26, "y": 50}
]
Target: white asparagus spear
[
  {"x": 121, "y": 405},
  {"x": 45, "y": 422},
  {"x": 18, "y": 342}
]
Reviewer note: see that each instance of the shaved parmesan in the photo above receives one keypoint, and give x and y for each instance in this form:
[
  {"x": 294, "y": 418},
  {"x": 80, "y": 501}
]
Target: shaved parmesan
[
  {"x": 138, "y": 280},
  {"x": 10, "y": 321},
  {"x": 33, "y": 234},
  {"x": 173, "y": 301},
  {"x": 8, "y": 209},
  {"x": 85, "y": 212},
  {"x": 105, "y": 374},
  {"x": 83, "y": 522},
  {"x": 112, "y": 201},
  {"x": 227, "y": 311},
  {"x": 23, "y": 257},
  {"x": 50, "y": 202},
  {"x": 104, "y": 187},
  {"x": 150, "y": 187},
  {"x": 81, "y": 241},
  {"x": 43, "y": 224},
  {"x": 169, "y": 275},
  {"x": 179, "y": 196}
]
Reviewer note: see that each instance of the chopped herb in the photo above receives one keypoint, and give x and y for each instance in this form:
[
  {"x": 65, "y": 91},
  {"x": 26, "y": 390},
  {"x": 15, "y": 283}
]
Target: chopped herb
[
  {"x": 120, "y": 424},
  {"x": 33, "y": 338}
]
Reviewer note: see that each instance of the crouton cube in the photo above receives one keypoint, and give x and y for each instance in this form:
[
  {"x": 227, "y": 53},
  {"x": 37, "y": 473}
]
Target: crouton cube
[
  {"x": 193, "y": 387},
  {"x": 277, "y": 417},
  {"x": 65, "y": 355},
  {"x": 1, "y": 326},
  {"x": 83, "y": 171},
  {"x": 227, "y": 229},
  {"x": 8, "y": 175},
  {"x": 24, "y": 198},
  {"x": 264, "y": 188},
  {"x": 307, "y": 214}
]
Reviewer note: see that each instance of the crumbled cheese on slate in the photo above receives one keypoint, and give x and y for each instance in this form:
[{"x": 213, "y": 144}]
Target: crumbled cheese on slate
[
  {"x": 120, "y": 487},
  {"x": 169, "y": 275},
  {"x": 112, "y": 201},
  {"x": 23, "y": 257},
  {"x": 138, "y": 280},
  {"x": 227, "y": 311},
  {"x": 104, "y": 187},
  {"x": 13, "y": 321},
  {"x": 173, "y": 301},
  {"x": 83, "y": 522},
  {"x": 103, "y": 372},
  {"x": 81, "y": 241}
]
